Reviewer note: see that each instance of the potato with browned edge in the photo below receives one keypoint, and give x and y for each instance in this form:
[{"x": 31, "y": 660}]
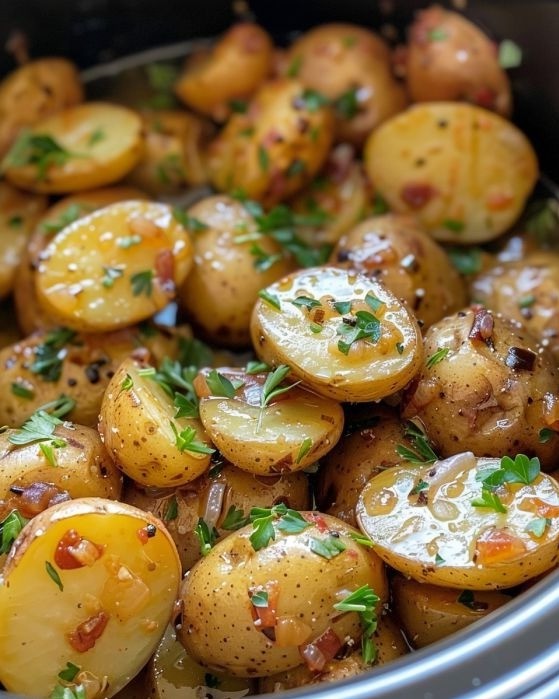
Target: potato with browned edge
[
  {"x": 218, "y": 81},
  {"x": 464, "y": 172},
  {"x": 486, "y": 386},
  {"x": 448, "y": 58},
  {"x": 396, "y": 251},
  {"x": 429, "y": 613},
  {"x": 464, "y": 522},
  {"x": 275, "y": 148},
  {"x": 349, "y": 65},
  {"x": 34, "y": 91},
  {"x": 231, "y": 610}
]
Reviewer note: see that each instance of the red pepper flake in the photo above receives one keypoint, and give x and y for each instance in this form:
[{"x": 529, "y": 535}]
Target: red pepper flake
[
  {"x": 265, "y": 616},
  {"x": 88, "y": 632},
  {"x": 317, "y": 520},
  {"x": 74, "y": 551},
  {"x": 417, "y": 194},
  {"x": 321, "y": 651}
]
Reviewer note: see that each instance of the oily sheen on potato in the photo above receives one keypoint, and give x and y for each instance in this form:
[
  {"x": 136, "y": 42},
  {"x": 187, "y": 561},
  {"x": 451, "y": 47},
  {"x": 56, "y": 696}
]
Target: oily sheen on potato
[{"x": 344, "y": 335}]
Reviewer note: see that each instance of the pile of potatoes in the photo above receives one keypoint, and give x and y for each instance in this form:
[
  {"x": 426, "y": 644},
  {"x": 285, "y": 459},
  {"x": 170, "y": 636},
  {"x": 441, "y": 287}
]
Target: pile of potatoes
[{"x": 340, "y": 364}]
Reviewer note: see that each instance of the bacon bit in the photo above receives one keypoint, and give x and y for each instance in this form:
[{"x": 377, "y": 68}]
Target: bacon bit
[
  {"x": 482, "y": 326},
  {"x": 36, "y": 497},
  {"x": 321, "y": 651},
  {"x": 497, "y": 545},
  {"x": 88, "y": 632},
  {"x": 540, "y": 507},
  {"x": 520, "y": 359},
  {"x": 265, "y": 617},
  {"x": 417, "y": 194},
  {"x": 165, "y": 271},
  {"x": 485, "y": 97},
  {"x": 74, "y": 551},
  {"x": 317, "y": 520}
]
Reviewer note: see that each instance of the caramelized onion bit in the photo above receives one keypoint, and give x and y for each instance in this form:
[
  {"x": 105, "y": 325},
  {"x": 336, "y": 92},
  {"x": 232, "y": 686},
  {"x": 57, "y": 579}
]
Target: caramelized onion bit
[
  {"x": 520, "y": 359},
  {"x": 36, "y": 497},
  {"x": 321, "y": 651},
  {"x": 482, "y": 326},
  {"x": 213, "y": 503},
  {"x": 88, "y": 632}
]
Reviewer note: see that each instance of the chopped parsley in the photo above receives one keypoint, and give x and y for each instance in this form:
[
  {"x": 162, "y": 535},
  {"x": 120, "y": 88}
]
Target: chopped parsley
[
  {"x": 38, "y": 428},
  {"x": 361, "y": 539},
  {"x": 238, "y": 106},
  {"x": 234, "y": 519},
  {"x": 436, "y": 357},
  {"x": 161, "y": 79},
  {"x": 262, "y": 519},
  {"x": 328, "y": 548},
  {"x": 347, "y": 104},
  {"x": 521, "y": 469},
  {"x": 437, "y": 34},
  {"x": 192, "y": 224},
  {"x": 97, "y": 136},
  {"x": 454, "y": 225},
  {"x": 41, "y": 150},
  {"x": 49, "y": 356},
  {"x": 542, "y": 221},
  {"x": 15, "y": 221},
  {"x": 263, "y": 159},
  {"x": 304, "y": 449},
  {"x": 69, "y": 215},
  {"x": 259, "y": 598},
  {"x": 185, "y": 440},
  {"x": 142, "y": 282},
  {"x": 10, "y": 527},
  {"x": 20, "y": 390},
  {"x": 263, "y": 260},
  {"x": 545, "y": 434},
  {"x": 220, "y": 385},
  {"x": 467, "y": 261},
  {"x": 270, "y": 299},
  {"x": 171, "y": 510},
  {"x": 110, "y": 275},
  {"x": 422, "y": 452},
  {"x": 342, "y": 307},
  {"x": 69, "y": 673},
  {"x": 256, "y": 367},
  {"x": 127, "y": 241},
  {"x": 490, "y": 500},
  {"x": 206, "y": 536},
  {"x": 538, "y": 526},
  {"x": 510, "y": 54},
  {"x": 363, "y": 601},
  {"x": 294, "y": 67},
  {"x": 313, "y": 100},
  {"x": 53, "y": 575},
  {"x": 363, "y": 326}
]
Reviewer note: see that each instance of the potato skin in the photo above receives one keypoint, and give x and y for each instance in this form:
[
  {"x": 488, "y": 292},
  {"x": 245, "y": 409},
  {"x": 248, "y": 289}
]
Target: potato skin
[
  {"x": 336, "y": 59},
  {"x": 422, "y": 522},
  {"x": 235, "y": 487},
  {"x": 478, "y": 397},
  {"x": 526, "y": 290},
  {"x": 396, "y": 251},
  {"x": 429, "y": 613},
  {"x": 217, "y": 626},
  {"x": 233, "y": 70},
  {"x": 463, "y": 171},
  {"x": 221, "y": 289},
  {"x": 33, "y": 92},
  {"x": 83, "y": 467},
  {"x": 449, "y": 58},
  {"x": 276, "y": 148}
]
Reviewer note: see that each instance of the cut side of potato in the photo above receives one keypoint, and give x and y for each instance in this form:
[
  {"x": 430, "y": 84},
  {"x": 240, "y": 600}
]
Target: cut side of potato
[
  {"x": 89, "y": 582},
  {"x": 444, "y": 523},
  {"x": 142, "y": 434},
  {"x": 115, "y": 267},
  {"x": 86, "y": 146},
  {"x": 344, "y": 335}
]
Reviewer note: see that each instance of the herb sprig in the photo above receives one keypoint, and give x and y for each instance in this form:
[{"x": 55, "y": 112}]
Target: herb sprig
[{"x": 363, "y": 601}]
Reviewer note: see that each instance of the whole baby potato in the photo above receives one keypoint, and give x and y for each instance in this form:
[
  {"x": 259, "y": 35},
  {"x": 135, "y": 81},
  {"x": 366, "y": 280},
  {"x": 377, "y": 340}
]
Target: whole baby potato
[
  {"x": 396, "y": 251},
  {"x": 486, "y": 386},
  {"x": 221, "y": 626},
  {"x": 449, "y": 58},
  {"x": 463, "y": 171}
]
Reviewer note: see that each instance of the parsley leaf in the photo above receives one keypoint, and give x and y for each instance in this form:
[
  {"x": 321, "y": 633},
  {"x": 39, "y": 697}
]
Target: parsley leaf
[
  {"x": 436, "y": 357},
  {"x": 110, "y": 275},
  {"x": 10, "y": 527},
  {"x": 347, "y": 104},
  {"x": 545, "y": 434},
  {"x": 467, "y": 261},
  {"x": 262, "y": 519},
  {"x": 53, "y": 575},
  {"x": 304, "y": 449},
  {"x": 69, "y": 215},
  {"x": 538, "y": 526},
  {"x": 490, "y": 500},
  {"x": 363, "y": 601},
  {"x": 271, "y": 388},
  {"x": 38, "y": 428},
  {"x": 206, "y": 536},
  {"x": 361, "y": 539},
  {"x": 142, "y": 282},
  {"x": 234, "y": 519},
  {"x": 270, "y": 299},
  {"x": 306, "y": 302},
  {"x": 521, "y": 469},
  {"x": 172, "y": 509},
  {"x": 194, "y": 225},
  {"x": 365, "y": 327},
  {"x": 49, "y": 356},
  {"x": 328, "y": 548},
  {"x": 41, "y": 150},
  {"x": 21, "y": 391},
  {"x": 510, "y": 54},
  {"x": 185, "y": 440},
  {"x": 256, "y": 367},
  {"x": 259, "y": 598},
  {"x": 220, "y": 385},
  {"x": 292, "y": 522},
  {"x": 313, "y": 100},
  {"x": 69, "y": 673},
  {"x": 422, "y": 452}
]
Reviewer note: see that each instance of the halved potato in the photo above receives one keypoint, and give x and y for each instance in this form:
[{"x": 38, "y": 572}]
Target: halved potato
[
  {"x": 82, "y": 147},
  {"x": 344, "y": 335},
  {"x": 429, "y": 613},
  {"x": 465, "y": 172},
  {"x": 139, "y": 429},
  {"x": 19, "y": 213},
  {"x": 90, "y": 582},
  {"x": 437, "y": 524},
  {"x": 115, "y": 267},
  {"x": 288, "y": 434}
]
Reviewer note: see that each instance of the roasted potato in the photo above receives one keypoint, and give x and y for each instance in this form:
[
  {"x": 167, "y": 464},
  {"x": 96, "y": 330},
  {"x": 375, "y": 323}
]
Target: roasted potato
[
  {"x": 232, "y": 262},
  {"x": 443, "y": 523},
  {"x": 396, "y": 251},
  {"x": 449, "y": 58},
  {"x": 224, "y": 627},
  {"x": 83, "y": 578},
  {"x": 319, "y": 322},
  {"x": 464, "y": 172},
  {"x": 91, "y": 145},
  {"x": 277, "y": 147},
  {"x": 527, "y": 291},
  {"x": 486, "y": 386},
  {"x": 141, "y": 433},
  {"x": 31, "y": 315},
  {"x": 219, "y": 81},
  {"x": 429, "y": 613},
  {"x": 33, "y": 92},
  {"x": 126, "y": 261},
  {"x": 350, "y": 65}
]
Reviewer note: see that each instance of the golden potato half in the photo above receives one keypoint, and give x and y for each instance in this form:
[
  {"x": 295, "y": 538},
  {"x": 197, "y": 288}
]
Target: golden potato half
[{"x": 344, "y": 335}]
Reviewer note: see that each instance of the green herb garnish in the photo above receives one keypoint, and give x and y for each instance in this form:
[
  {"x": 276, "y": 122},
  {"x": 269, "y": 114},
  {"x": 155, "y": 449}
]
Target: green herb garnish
[
  {"x": 185, "y": 440},
  {"x": 436, "y": 357},
  {"x": 53, "y": 575},
  {"x": 422, "y": 453},
  {"x": 363, "y": 601},
  {"x": 142, "y": 282},
  {"x": 10, "y": 527},
  {"x": 206, "y": 536}
]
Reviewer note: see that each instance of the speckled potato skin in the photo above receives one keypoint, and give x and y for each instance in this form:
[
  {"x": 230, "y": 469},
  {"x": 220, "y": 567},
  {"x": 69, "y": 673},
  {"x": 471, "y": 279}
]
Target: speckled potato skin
[
  {"x": 217, "y": 626},
  {"x": 83, "y": 467},
  {"x": 389, "y": 644},
  {"x": 235, "y": 488},
  {"x": 276, "y": 148},
  {"x": 222, "y": 287},
  {"x": 233, "y": 70},
  {"x": 472, "y": 400},
  {"x": 429, "y": 613},
  {"x": 437, "y": 536},
  {"x": 396, "y": 251},
  {"x": 31, "y": 315},
  {"x": 356, "y": 458},
  {"x": 449, "y": 58},
  {"x": 336, "y": 58},
  {"x": 527, "y": 291},
  {"x": 34, "y": 91},
  {"x": 463, "y": 171}
]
